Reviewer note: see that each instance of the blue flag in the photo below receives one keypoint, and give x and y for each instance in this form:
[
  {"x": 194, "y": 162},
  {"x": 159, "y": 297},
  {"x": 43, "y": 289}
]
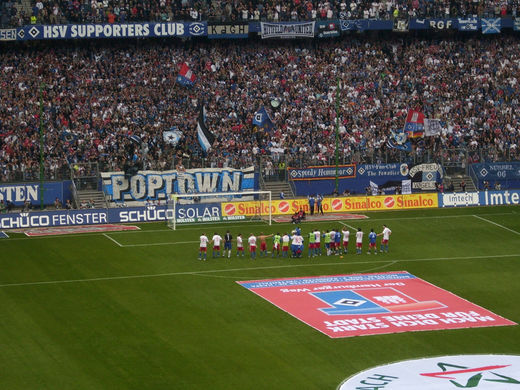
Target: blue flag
[
  {"x": 399, "y": 140},
  {"x": 262, "y": 120},
  {"x": 491, "y": 25}
]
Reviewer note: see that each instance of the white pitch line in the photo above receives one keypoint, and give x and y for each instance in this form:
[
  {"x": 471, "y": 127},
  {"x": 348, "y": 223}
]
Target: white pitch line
[
  {"x": 160, "y": 243},
  {"x": 496, "y": 224},
  {"x": 347, "y": 225},
  {"x": 112, "y": 239},
  {"x": 253, "y": 269}
]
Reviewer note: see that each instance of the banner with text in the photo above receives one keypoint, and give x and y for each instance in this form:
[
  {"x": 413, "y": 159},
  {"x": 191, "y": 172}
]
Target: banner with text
[
  {"x": 287, "y": 30},
  {"x": 155, "y": 185},
  {"x": 112, "y": 30},
  {"x": 370, "y": 304},
  {"x": 358, "y": 178}
]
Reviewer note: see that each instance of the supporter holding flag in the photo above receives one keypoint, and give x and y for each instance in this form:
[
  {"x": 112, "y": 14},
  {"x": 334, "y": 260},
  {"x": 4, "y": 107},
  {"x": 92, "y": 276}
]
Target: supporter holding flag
[
  {"x": 186, "y": 77},
  {"x": 414, "y": 124},
  {"x": 262, "y": 121}
]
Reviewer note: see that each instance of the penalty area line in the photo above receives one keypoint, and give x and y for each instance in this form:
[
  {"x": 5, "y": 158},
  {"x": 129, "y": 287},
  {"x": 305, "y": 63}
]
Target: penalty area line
[
  {"x": 198, "y": 273},
  {"x": 496, "y": 224},
  {"x": 113, "y": 240}
]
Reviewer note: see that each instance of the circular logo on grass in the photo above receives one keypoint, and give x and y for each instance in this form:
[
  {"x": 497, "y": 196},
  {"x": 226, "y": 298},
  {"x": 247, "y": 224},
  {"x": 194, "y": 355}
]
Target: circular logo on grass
[{"x": 484, "y": 372}]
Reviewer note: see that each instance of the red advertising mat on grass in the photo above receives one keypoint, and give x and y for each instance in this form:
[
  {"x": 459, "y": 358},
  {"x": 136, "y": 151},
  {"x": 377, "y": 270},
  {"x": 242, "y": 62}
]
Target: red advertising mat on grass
[
  {"x": 369, "y": 304},
  {"x": 52, "y": 231}
]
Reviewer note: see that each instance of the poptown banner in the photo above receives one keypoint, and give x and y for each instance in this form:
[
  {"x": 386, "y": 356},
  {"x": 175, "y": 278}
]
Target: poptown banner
[{"x": 158, "y": 185}]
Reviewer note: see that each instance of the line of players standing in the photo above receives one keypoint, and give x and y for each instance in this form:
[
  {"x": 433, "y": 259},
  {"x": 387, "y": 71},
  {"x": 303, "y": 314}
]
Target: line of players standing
[{"x": 336, "y": 243}]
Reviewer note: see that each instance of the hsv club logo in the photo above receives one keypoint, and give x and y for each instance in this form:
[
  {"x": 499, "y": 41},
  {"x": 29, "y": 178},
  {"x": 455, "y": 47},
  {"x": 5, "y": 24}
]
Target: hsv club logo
[{"x": 485, "y": 372}]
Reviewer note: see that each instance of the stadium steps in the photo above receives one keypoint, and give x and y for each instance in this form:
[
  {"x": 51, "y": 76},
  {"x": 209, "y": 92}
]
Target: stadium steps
[
  {"x": 84, "y": 196},
  {"x": 24, "y": 6},
  {"x": 470, "y": 186},
  {"x": 276, "y": 187}
]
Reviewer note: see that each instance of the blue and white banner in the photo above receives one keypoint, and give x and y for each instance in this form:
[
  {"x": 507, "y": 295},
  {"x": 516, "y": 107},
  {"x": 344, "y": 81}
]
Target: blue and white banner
[
  {"x": 497, "y": 171},
  {"x": 516, "y": 24},
  {"x": 351, "y": 25},
  {"x": 208, "y": 212},
  {"x": 156, "y": 185},
  {"x": 287, "y": 30},
  {"x": 115, "y": 30},
  {"x": 499, "y": 198},
  {"x": 491, "y": 25},
  {"x": 441, "y": 24},
  {"x": 459, "y": 199},
  {"x": 469, "y": 24},
  {"x": 19, "y": 193}
]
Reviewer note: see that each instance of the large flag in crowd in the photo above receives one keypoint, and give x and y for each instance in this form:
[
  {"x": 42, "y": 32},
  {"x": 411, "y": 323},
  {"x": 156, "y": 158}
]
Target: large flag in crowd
[
  {"x": 414, "y": 124},
  {"x": 206, "y": 137},
  {"x": 186, "y": 77},
  {"x": 262, "y": 120},
  {"x": 399, "y": 140}
]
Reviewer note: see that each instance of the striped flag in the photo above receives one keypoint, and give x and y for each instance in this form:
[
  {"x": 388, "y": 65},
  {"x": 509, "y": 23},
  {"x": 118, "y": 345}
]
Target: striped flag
[{"x": 206, "y": 137}]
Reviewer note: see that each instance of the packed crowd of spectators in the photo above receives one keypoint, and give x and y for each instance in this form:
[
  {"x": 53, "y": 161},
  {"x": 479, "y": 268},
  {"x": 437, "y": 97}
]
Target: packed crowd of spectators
[
  {"x": 122, "y": 11},
  {"x": 110, "y": 102}
]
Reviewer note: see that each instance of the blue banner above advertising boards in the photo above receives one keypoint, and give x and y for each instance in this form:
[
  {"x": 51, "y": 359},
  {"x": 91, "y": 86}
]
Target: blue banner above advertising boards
[
  {"x": 383, "y": 178},
  {"x": 113, "y": 30},
  {"x": 505, "y": 174},
  {"x": 155, "y": 185},
  {"x": 19, "y": 193}
]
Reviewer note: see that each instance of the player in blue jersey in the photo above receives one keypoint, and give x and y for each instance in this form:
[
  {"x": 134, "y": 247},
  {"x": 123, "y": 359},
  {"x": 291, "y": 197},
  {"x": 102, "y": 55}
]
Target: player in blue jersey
[
  {"x": 372, "y": 238},
  {"x": 337, "y": 241}
]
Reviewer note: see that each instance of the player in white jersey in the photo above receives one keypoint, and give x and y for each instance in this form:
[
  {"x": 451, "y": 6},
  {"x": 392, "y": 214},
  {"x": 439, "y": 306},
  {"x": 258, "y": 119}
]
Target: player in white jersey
[
  {"x": 332, "y": 235},
  {"x": 386, "y": 236},
  {"x": 317, "y": 242},
  {"x": 203, "y": 247},
  {"x": 285, "y": 244},
  {"x": 252, "y": 245},
  {"x": 216, "y": 244},
  {"x": 240, "y": 245},
  {"x": 346, "y": 235},
  {"x": 297, "y": 245},
  {"x": 359, "y": 241}
]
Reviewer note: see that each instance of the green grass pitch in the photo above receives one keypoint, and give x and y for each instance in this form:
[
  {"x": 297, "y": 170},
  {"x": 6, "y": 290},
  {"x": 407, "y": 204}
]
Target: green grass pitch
[{"x": 137, "y": 310}]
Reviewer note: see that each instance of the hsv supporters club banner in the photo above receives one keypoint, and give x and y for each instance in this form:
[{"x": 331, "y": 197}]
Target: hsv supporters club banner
[{"x": 370, "y": 304}]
